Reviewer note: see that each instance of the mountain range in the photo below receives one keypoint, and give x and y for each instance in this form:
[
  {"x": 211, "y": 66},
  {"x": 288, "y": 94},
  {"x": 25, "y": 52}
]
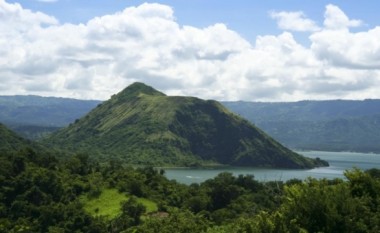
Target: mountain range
[
  {"x": 34, "y": 116},
  {"x": 333, "y": 125}
]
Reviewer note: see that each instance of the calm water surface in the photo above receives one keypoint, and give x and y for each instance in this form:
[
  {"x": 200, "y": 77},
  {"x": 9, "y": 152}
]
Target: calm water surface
[{"x": 339, "y": 162}]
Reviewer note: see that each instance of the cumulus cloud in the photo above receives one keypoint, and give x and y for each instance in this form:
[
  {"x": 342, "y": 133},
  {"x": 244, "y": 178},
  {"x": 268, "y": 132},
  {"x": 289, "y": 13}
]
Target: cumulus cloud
[
  {"x": 14, "y": 17},
  {"x": 145, "y": 43},
  {"x": 294, "y": 21},
  {"x": 342, "y": 48},
  {"x": 335, "y": 18}
]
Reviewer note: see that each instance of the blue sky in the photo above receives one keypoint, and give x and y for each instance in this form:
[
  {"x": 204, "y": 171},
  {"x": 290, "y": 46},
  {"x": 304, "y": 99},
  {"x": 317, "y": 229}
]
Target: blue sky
[
  {"x": 275, "y": 50},
  {"x": 248, "y": 18}
]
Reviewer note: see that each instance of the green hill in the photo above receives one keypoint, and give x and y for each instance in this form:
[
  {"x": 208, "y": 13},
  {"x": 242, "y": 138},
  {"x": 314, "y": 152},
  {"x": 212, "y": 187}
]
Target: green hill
[{"x": 144, "y": 126}]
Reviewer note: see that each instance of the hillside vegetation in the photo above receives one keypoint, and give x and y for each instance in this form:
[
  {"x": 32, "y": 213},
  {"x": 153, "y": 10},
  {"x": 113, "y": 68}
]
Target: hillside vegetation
[
  {"x": 10, "y": 141},
  {"x": 143, "y": 126},
  {"x": 40, "y": 193}
]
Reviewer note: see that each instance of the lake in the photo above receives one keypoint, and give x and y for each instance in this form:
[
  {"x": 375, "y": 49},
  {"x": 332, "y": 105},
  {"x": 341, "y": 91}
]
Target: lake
[{"x": 339, "y": 162}]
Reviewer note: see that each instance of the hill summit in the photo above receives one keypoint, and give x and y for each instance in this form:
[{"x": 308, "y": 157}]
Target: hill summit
[{"x": 141, "y": 125}]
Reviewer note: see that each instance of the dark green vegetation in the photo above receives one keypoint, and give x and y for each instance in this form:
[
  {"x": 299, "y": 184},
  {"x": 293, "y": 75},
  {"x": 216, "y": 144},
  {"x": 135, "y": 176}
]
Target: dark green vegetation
[
  {"x": 40, "y": 193},
  {"x": 10, "y": 141},
  {"x": 336, "y": 125},
  {"x": 35, "y": 116},
  {"x": 141, "y": 125}
]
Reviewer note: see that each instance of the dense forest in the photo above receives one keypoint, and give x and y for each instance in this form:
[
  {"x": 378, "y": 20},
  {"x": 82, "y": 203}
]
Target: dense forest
[{"x": 41, "y": 193}]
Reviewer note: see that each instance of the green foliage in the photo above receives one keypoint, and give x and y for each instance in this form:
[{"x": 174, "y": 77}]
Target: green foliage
[
  {"x": 10, "y": 141},
  {"x": 177, "y": 221},
  {"x": 331, "y": 206},
  {"x": 41, "y": 194},
  {"x": 108, "y": 203},
  {"x": 142, "y": 126},
  {"x": 35, "y": 196}
]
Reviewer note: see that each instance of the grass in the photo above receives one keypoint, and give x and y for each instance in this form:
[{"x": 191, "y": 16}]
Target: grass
[
  {"x": 108, "y": 203},
  {"x": 149, "y": 205}
]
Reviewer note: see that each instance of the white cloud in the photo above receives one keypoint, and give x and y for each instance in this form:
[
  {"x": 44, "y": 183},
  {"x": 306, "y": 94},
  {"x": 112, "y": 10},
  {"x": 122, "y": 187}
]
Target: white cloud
[
  {"x": 294, "y": 21},
  {"x": 338, "y": 47},
  {"x": 145, "y": 43},
  {"x": 342, "y": 48},
  {"x": 14, "y": 17},
  {"x": 335, "y": 18}
]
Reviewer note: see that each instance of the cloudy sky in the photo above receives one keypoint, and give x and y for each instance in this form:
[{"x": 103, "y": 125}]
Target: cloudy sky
[{"x": 276, "y": 50}]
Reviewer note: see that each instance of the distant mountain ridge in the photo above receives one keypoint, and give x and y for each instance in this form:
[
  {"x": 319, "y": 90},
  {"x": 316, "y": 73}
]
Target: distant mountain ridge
[
  {"x": 35, "y": 116},
  {"x": 306, "y": 110},
  {"x": 144, "y": 126},
  {"x": 43, "y": 111},
  {"x": 333, "y": 125}
]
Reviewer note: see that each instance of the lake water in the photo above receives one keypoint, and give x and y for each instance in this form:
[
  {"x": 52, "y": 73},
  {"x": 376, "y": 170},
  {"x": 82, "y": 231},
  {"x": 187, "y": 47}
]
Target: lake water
[{"x": 339, "y": 162}]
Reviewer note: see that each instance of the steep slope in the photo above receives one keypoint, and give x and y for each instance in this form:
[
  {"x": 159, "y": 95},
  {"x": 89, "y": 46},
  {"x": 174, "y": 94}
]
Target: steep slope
[
  {"x": 10, "y": 141},
  {"x": 144, "y": 126}
]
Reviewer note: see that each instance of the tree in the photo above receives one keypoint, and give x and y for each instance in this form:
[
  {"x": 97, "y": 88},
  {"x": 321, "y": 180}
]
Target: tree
[{"x": 133, "y": 209}]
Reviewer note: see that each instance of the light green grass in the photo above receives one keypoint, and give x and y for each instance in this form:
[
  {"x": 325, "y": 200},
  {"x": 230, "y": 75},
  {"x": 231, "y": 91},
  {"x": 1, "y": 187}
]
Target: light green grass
[
  {"x": 149, "y": 205},
  {"x": 108, "y": 203}
]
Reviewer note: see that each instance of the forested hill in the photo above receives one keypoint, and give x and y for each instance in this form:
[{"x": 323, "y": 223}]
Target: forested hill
[
  {"x": 144, "y": 126},
  {"x": 336, "y": 125},
  {"x": 11, "y": 142}
]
